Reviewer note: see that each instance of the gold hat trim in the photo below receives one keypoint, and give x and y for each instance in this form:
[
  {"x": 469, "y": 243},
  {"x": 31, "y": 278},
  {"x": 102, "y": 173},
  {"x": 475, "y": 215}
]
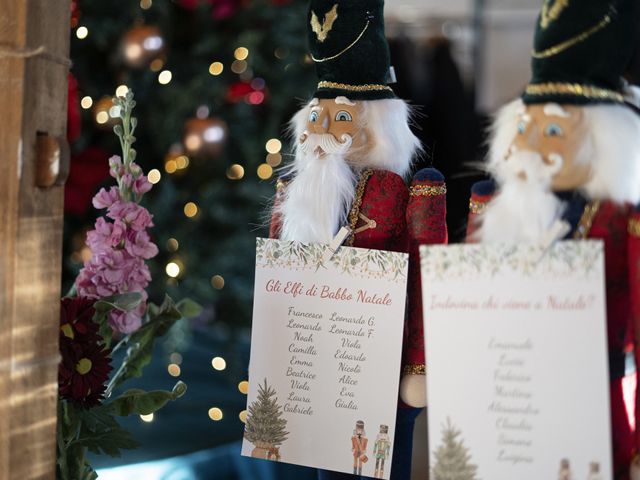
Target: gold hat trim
[
  {"x": 581, "y": 37},
  {"x": 354, "y": 88},
  {"x": 578, "y": 89},
  {"x": 345, "y": 50},
  {"x": 427, "y": 190}
]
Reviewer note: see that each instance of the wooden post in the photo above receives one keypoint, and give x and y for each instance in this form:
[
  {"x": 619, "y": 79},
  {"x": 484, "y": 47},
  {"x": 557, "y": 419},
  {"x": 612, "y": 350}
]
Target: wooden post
[{"x": 34, "y": 46}]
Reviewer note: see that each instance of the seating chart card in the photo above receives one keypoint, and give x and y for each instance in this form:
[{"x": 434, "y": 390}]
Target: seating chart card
[
  {"x": 326, "y": 348},
  {"x": 517, "y": 365}
]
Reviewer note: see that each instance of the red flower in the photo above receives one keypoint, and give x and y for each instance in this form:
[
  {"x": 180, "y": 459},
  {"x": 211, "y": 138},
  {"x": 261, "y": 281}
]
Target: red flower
[
  {"x": 85, "y": 365},
  {"x": 76, "y": 320},
  {"x": 83, "y": 372}
]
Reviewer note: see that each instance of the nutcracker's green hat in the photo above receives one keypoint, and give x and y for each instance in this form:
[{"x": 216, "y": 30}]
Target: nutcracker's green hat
[
  {"x": 349, "y": 48},
  {"x": 581, "y": 50}
]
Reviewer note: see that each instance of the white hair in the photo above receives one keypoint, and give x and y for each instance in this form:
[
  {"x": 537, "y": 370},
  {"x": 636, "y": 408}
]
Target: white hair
[
  {"x": 614, "y": 132},
  {"x": 394, "y": 146},
  {"x": 611, "y": 147}
]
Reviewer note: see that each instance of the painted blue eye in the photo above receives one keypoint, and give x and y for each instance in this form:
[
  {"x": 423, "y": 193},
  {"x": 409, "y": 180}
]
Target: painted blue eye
[
  {"x": 553, "y": 130},
  {"x": 522, "y": 127},
  {"x": 313, "y": 116},
  {"x": 343, "y": 116}
]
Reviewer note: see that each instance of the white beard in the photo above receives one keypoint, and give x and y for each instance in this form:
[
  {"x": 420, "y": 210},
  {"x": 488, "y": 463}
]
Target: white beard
[
  {"x": 317, "y": 201},
  {"x": 524, "y": 209}
]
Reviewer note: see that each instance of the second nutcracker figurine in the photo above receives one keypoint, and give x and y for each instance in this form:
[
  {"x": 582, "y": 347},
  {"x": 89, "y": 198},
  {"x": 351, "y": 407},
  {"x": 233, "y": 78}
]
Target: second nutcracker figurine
[
  {"x": 353, "y": 151},
  {"x": 567, "y": 156}
]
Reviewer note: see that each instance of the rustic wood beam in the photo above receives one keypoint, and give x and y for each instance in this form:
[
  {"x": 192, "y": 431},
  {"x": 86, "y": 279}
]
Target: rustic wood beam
[{"x": 34, "y": 49}]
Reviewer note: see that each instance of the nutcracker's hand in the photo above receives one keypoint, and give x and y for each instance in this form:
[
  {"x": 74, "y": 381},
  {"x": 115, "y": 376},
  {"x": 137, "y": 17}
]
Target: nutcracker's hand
[
  {"x": 413, "y": 391},
  {"x": 634, "y": 473}
]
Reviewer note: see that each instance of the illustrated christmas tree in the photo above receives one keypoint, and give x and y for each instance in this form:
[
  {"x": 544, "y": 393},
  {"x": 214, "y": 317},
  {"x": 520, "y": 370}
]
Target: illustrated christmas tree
[
  {"x": 265, "y": 426},
  {"x": 452, "y": 458}
]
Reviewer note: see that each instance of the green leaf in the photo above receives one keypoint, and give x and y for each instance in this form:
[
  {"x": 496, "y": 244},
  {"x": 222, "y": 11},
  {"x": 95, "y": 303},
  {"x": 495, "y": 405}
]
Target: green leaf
[
  {"x": 124, "y": 302},
  {"x": 101, "y": 433},
  {"x": 188, "y": 308},
  {"x": 69, "y": 420},
  {"x": 139, "y": 402},
  {"x": 139, "y": 353}
]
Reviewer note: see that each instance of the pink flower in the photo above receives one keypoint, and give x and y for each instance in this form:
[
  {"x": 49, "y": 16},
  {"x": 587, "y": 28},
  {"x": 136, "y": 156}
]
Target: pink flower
[
  {"x": 116, "y": 168},
  {"x": 106, "y": 235},
  {"x": 139, "y": 277},
  {"x": 135, "y": 169},
  {"x": 104, "y": 198},
  {"x": 139, "y": 244},
  {"x": 127, "y": 180},
  {"x": 128, "y": 322},
  {"x": 106, "y": 274},
  {"x": 132, "y": 214},
  {"x": 142, "y": 185},
  {"x": 121, "y": 246}
]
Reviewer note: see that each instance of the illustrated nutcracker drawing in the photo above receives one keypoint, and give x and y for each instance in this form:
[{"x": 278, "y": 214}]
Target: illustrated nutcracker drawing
[
  {"x": 566, "y": 158},
  {"x": 594, "y": 472},
  {"x": 353, "y": 151},
  {"x": 565, "y": 470},
  {"x": 359, "y": 443},
  {"x": 381, "y": 450}
]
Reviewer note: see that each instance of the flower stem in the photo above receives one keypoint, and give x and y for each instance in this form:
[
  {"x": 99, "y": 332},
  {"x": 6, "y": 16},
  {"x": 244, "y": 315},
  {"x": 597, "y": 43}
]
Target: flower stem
[{"x": 113, "y": 382}]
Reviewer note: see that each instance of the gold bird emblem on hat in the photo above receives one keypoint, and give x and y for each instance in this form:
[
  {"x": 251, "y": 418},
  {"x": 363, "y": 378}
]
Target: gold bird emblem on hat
[
  {"x": 551, "y": 10},
  {"x": 322, "y": 31}
]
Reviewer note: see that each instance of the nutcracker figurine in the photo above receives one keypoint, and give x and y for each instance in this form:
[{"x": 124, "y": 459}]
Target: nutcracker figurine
[
  {"x": 359, "y": 443},
  {"x": 353, "y": 151},
  {"x": 381, "y": 450},
  {"x": 567, "y": 154}
]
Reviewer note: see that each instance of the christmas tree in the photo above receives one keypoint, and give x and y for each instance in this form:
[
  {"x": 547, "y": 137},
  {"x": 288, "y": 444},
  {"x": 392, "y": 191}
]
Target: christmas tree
[
  {"x": 265, "y": 426},
  {"x": 452, "y": 459},
  {"x": 215, "y": 83}
]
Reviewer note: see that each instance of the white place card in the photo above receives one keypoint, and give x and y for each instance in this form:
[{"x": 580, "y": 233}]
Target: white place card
[
  {"x": 517, "y": 369},
  {"x": 326, "y": 348}
]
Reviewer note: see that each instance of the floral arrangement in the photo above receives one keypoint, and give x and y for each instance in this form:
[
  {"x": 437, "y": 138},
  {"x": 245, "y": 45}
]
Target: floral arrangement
[{"x": 109, "y": 304}]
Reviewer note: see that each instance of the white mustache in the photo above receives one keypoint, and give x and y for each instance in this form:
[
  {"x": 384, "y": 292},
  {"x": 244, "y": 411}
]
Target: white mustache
[
  {"x": 532, "y": 164},
  {"x": 327, "y": 142}
]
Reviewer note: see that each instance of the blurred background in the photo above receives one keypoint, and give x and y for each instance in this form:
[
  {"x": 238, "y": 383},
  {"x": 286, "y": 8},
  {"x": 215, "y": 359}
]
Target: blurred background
[{"x": 215, "y": 83}]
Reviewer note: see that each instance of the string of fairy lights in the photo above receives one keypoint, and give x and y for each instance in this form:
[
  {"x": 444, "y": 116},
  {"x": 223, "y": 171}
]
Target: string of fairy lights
[{"x": 204, "y": 133}]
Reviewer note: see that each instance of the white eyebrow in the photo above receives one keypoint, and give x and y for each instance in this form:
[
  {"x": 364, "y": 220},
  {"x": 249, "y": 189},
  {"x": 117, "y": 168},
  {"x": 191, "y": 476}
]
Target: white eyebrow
[
  {"x": 345, "y": 101},
  {"x": 555, "y": 110},
  {"x": 314, "y": 102}
]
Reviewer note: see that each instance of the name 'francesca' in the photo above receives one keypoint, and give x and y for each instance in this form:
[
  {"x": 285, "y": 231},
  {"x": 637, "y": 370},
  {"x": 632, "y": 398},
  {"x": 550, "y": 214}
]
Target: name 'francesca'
[{"x": 362, "y": 296}]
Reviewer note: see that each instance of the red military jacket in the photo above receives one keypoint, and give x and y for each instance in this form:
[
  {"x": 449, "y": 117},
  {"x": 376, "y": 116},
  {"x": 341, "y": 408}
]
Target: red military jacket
[
  {"x": 388, "y": 215},
  {"x": 619, "y": 227}
]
